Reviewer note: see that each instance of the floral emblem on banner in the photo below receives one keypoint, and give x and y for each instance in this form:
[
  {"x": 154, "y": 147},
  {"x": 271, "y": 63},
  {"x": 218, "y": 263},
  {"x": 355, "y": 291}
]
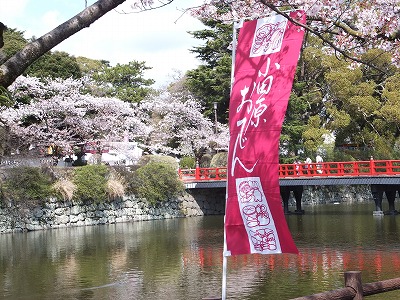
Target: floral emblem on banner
[
  {"x": 268, "y": 36},
  {"x": 256, "y": 214}
]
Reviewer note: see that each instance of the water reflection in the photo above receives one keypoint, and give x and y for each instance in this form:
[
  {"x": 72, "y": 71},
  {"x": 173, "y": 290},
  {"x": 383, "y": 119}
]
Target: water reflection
[{"x": 182, "y": 259}]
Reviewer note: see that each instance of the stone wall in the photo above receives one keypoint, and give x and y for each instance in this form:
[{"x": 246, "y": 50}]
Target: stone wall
[
  {"x": 58, "y": 214},
  {"x": 313, "y": 195}
]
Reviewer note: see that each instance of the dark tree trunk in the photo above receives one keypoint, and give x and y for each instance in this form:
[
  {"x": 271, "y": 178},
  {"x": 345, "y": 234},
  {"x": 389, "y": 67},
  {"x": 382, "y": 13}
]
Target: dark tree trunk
[
  {"x": 2, "y": 28},
  {"x": 18, "y": 63}
]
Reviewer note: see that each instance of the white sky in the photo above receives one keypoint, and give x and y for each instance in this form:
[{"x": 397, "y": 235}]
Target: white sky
[{"x": 158, "y": 37}]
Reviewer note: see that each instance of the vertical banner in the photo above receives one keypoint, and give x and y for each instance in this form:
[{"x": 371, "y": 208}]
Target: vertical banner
[{"x": 266, "y": 58}]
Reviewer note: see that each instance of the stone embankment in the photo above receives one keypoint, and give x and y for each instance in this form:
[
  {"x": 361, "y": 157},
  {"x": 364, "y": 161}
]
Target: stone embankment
[
  {"x": 60, "y": 214},
  {"x": 313, "y": 195}
]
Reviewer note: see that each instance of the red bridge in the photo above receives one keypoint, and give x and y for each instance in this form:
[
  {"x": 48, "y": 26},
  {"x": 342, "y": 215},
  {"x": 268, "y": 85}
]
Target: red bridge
[
  {"x": 316, "y": 170},
  {"x": 382, "y": 175}
]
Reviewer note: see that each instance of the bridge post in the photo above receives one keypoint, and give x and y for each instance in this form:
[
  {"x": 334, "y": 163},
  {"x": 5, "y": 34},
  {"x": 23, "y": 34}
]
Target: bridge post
[
  {"x": 298, "y": 194},
  {"x": 197, "y": 171},
  {"x": 377, "y": 194},
  {"x": 285, "y": 195},
  {"x": 391, "y": 196},
  {"x": 372, "y": 165}
]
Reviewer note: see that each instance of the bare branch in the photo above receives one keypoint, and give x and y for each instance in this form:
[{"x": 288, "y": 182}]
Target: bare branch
[{"x": 143, "y": 7}]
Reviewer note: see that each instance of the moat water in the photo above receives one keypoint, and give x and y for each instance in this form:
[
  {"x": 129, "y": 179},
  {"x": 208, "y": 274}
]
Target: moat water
[{"x": 182, "y": 259}]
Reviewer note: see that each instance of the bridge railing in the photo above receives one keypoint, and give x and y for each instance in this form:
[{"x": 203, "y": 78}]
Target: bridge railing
[
  {"x": 199, "y": 174},
  {"x": 332, "y": 169},
  {"x": 324, "y": 169}
]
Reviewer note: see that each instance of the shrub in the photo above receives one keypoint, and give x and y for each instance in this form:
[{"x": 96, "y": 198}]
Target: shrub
[
  {"x": 65, "y": 187},
  {"x": 157, "y": 181},
  {"x": 187, "y": 162},
  {"x": 219, "y": 160},
  {"x": 91, "y": 183},
  {"x": 27, "y": 183},
  {"x": 342, "y": 156},
  {"x": 205, "y": 161},
  {"x": 129, "y": 177},
  {"x": 159, "y": 158},
  {"x": 115, "y": 186}
]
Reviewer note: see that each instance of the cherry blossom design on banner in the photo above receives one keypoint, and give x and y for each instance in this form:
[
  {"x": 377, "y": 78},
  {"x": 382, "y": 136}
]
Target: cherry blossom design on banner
[
  {"x": 268, "y": 37},
  {"x": 265, "y": 64},
  {"x": 256, "y": 214}
]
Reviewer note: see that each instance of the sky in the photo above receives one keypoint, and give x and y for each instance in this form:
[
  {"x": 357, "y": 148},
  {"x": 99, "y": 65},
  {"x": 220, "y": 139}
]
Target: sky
[{"x": 157, "y": 37}]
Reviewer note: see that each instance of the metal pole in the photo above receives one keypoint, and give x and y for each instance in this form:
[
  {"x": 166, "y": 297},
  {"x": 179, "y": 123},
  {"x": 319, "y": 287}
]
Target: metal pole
[
  {"x": 215, "y": 117},
  {"x": 235, "y": 26}
]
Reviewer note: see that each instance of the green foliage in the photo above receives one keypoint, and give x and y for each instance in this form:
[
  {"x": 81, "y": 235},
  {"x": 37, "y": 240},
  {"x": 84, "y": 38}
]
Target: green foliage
[
  {"x": 219, "y": 160},
  {"x": 187, "y": 162},
  {"x": 169, "y": 160},
  {"x": 211, "y": 82},
  {"x": 125, "y": 82},
  {"x": 205, "y": 161},
  {"x": 339, "y": 155},
  {"x": 91, "y": 183},
  {"x": 27, "y": 184},
  {"x": 13, "y": 42},
  {"x": 382, "y": 60},
  {"x": 305, "y": 100},
  {"x": 90, "y": 66},
  {"x": 313, "y": 135},
  {"x": 390, "y": 109},
  {"x": 157, "y": 181},
  {"x": 53, "y": 65},
  {"x": 363, "y": 106},
  {"x": 5, "y": 97}
]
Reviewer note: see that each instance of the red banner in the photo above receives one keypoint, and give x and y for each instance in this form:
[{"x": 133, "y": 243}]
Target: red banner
[{"x": 266, "y": 59}]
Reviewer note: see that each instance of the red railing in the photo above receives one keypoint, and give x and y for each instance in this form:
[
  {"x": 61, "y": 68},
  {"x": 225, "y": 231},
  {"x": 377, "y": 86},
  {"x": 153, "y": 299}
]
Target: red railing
[
  {"x": 205, "y": 174},
  {"x": 325, "y": 169}
]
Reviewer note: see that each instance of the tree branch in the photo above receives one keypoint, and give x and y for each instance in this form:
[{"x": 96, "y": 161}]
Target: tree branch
[
  {"x": 320, "y": 35},
  {"x": 18, "y": 63},
  {"x": 143, "y": 7},
  {"x": 2, "y": 28}
]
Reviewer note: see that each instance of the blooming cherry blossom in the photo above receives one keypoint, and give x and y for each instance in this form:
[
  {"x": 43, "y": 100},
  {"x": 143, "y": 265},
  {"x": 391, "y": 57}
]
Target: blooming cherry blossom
[
  {"x": 349, "y": 27},
  {"x": 61, "y": 112},
  {"x": 179, "y": 126}
]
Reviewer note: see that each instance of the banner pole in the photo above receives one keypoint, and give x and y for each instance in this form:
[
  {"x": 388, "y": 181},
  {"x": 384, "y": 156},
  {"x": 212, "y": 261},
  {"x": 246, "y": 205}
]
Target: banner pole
[
  {"x": 224, "y": 268},
  {"x": 236, "y": 25}
]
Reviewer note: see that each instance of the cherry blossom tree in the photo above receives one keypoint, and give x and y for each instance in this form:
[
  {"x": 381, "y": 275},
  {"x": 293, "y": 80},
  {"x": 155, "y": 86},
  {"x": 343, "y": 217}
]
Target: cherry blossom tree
[
  {"x": 62, "y": 112},
  {"x": 348, "y": 28},
  {"x": 179, "y": 127}
]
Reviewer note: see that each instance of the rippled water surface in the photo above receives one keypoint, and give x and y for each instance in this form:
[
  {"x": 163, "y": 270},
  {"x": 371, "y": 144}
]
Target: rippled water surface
[{"x": 182, "y": 259}]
